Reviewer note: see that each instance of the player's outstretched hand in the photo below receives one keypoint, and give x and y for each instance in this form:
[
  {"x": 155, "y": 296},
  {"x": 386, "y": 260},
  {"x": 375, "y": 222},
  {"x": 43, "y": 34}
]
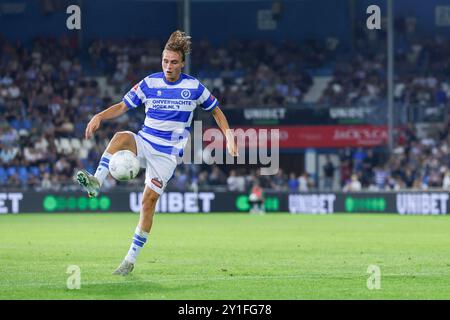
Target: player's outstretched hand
[{"x": 92, "y": 126}]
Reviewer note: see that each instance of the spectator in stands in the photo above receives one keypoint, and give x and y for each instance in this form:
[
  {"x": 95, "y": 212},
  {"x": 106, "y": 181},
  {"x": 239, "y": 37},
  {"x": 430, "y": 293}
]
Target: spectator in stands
[
  {"x": 235, "y": 183},
  {"x": 398, "y": 184},
  {"x": 7, "y": 154},
  {"x": 180, "y": 180},
  {"x": 353, "y": 185},
  {"x": 409, "y": 177},
  {"x": 216, "y": 177},
  {"x": 109, "y": 183},
  {"x": 446, "y": 180},
  {"x": 303, "y": 182},
  {"x": 328, "y": 172},
  {"x": 45, "y": 95},
  {"x": 346, "y": 171},
  {"x": 46, "y": 183},
  {"x": 381, "y": 177},
  {"x": 202, "y": 181},
  {"x": 278, "y": 182},
  {"x": 293, "y": 182},
  {"x": 256, "y": 198}
]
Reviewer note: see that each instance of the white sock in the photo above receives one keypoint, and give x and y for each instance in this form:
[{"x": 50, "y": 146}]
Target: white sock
[
  {"x": 139, "y": 239},
  {"x": 103, "y": 167}
]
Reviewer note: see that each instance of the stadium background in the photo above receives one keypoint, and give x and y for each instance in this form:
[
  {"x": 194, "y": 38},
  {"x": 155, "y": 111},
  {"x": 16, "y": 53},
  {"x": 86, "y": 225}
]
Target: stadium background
[
  {"x": 309, "y": 68},
  {"x": 320, "y": 78}
]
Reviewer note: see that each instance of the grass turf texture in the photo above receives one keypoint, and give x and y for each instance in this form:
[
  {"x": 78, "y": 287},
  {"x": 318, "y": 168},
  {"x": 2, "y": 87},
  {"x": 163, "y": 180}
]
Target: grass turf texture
[{"x": 226, "y": 256}]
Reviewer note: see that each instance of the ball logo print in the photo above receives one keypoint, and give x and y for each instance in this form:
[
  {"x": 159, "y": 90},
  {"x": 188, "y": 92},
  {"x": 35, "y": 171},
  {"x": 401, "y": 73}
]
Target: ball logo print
[
  {"x": 185, "y": 94},
  {"x": 124, "y": 165}
]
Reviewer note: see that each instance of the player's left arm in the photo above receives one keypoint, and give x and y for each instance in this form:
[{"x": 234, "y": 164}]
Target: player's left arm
[{"x": 222, "y": 122}]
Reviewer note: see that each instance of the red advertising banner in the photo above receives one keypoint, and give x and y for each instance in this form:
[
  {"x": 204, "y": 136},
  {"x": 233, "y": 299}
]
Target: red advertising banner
[
  {"x": 336, "y": 136},
  {"x": 333, "y": 136}
]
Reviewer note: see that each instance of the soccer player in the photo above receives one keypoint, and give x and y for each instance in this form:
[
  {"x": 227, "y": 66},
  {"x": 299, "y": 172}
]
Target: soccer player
[{"x": 170, "y": 98}]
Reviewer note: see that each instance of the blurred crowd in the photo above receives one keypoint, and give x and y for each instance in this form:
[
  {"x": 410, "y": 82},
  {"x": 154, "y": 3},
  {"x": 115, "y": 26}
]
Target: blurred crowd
[
  {"x": 48, "y": 93},
  {"x": 45, "y": 102},
  {"x": 421, "y": 70},
  {"x": 240, "y": 180},
  {"x": 242, "y": 73},
  {"x": 415, "y": 163}
]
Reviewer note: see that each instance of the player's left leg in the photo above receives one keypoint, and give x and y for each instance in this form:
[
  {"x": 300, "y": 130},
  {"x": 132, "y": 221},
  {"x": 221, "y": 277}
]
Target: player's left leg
[{"x": 149, "y": 199}]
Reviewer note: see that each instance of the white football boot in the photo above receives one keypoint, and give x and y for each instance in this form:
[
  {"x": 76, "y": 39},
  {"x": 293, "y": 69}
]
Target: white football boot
[
  {"x": 89, "y": 183},
  {"x": 125, "y": 268}
]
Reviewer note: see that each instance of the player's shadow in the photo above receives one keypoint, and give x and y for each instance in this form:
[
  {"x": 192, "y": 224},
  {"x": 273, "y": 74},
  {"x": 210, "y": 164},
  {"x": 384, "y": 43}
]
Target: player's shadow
[{"x": 132, "y": 287}]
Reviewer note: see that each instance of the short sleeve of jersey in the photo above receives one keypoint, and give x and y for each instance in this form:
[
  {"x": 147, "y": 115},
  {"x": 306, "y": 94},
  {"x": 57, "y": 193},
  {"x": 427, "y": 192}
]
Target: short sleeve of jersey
[
  {"x": 133, "y": 98},
  {"x": 206, "y": 100}
]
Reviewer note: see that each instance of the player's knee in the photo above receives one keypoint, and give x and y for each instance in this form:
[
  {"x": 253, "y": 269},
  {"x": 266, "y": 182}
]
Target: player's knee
[{"x": 122, "y": 138}]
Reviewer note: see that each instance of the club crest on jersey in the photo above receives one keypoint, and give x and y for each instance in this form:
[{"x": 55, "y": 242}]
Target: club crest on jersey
[
  {"x": 159, "y": 93},
  {"x": 185, "y": 94},
  {"x": 157, "y": 182}
]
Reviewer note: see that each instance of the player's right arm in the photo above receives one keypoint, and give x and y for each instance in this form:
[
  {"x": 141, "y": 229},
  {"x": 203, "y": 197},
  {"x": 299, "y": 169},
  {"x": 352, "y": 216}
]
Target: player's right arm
[{"x": 112, "y": 112}]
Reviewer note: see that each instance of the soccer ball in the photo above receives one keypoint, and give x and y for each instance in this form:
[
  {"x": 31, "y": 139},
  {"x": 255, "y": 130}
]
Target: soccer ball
[{"x": 124, "y": 165}]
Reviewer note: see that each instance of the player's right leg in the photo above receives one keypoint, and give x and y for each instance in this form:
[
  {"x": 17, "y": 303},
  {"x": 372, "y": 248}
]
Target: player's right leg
[
  {"x": 159, "y": 170},
  {"x": 91, "y": 183},
  {"x": 148, "y": 205}
]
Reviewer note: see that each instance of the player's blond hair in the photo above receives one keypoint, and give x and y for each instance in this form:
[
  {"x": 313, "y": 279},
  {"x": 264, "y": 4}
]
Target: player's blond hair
[{"x": 179, "y": 42}]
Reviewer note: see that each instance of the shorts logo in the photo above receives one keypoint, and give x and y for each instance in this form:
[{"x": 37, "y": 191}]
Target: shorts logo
[
  {"x": 157, "y": 182},
  {"x": 185, "y": 94}
]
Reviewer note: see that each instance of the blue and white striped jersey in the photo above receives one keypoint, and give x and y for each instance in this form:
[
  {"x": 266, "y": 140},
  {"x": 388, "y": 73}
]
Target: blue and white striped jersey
[{"x": 169, "y": 109}]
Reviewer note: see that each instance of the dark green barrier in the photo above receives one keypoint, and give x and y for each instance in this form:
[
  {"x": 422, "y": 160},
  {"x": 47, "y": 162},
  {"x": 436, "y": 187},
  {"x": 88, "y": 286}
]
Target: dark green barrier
[{"x": 424, "y": 203}]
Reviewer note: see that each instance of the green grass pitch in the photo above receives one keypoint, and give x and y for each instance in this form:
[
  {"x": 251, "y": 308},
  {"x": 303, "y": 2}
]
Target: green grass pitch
[{"x": 227, "y": 256}]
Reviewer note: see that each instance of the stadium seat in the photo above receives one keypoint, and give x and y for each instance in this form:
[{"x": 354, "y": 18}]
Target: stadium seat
[
  {"x": 218, "y": 83},
  {"x": 207, "y": 82},
  {"x": 26, "y": 124},
  {"x": 57, "y": 145},
  {"x": 65, "y": 145},
  {"x": 76, "y": 144},
  {"x": 23, "y": 174},
  {"x": 15, "y": 124},
  {"x": 11, "y": 171},
  {"x": 83, "y": 153},
  {"x": 87, "y": 144},
  {"x": 3, "y": 175},
  {"x": 34, "y": 171}
]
